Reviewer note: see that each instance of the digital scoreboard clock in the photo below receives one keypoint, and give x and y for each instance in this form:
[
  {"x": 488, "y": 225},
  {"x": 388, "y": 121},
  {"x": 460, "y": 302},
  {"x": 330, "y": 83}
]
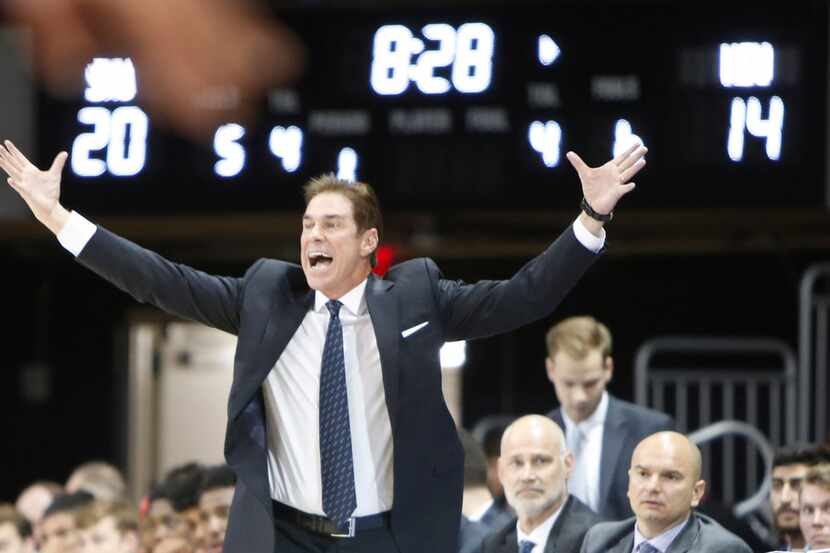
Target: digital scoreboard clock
[{"x": 442, "y": 110}]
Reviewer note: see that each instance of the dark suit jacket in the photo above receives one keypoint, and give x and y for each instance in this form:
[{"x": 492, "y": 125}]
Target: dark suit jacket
[
  {"x": 471, "y": 535},
  {"x": 701, "y": 533},
  {"x": 565, "y": 536},
  {"x": 626, "y": 425},
  {"x": 266, "y": 306}
]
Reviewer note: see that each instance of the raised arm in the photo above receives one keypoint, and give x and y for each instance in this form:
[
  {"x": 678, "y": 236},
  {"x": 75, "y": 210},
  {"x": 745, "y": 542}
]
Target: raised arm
[
  {"x": 491, "y": 307},
  {"x": 145, "y": 275}
]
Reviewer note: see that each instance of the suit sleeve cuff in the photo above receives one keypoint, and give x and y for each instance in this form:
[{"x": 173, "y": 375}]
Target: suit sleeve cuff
[
  {"x": 76, "y": 233},
  {"x": 591, "y": 242}
]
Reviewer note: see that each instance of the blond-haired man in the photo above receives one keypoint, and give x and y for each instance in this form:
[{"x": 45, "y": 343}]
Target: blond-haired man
[
  {"x": 814, "y": 501},
  {"x": 601, "y": 430}
]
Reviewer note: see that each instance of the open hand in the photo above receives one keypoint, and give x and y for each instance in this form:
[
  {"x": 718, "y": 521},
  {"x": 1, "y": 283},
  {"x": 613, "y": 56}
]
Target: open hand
[
  {"x": 604, "y": 186},
  {"x": 39, "y": 189}
]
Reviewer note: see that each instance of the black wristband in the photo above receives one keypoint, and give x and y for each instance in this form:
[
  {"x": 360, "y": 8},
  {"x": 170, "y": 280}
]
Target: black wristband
[{"x": 603, "y": 218}]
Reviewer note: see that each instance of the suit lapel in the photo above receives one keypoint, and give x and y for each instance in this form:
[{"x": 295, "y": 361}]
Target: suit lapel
[
  {"x": 625, "y": 545},
  {"x": 382, "y": 303},
  {"x": 287, "y": 312},
  {"x": 613, "y": 438},
  {"x": 511, "y": 542},
  {"x": 560, "y": 528},
  {"x": 246, "y": 443}
]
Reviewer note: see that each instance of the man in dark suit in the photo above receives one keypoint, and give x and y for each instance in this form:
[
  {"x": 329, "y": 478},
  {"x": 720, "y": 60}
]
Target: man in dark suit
[
  {"x": 664, "y": 488},
  {"x": 337, "y": 427},
  {"x": 534, "y": 467},
  {"x": 601, "y": 430}
]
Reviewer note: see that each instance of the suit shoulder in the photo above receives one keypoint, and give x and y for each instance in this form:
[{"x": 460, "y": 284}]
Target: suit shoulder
[
  {"x": 271, "y": 266},
  {"x": 611, "y": 531},
  {"x": 585, "y": 512},
  {"x": 644, "y": 416},
  {"x": 273, "y": 272},
  {"x": 712, "y": 533},
  {"x": 420, "y": 270},
  {"x": 555, "y": 415},
  {"x": 410, "y": 266}
]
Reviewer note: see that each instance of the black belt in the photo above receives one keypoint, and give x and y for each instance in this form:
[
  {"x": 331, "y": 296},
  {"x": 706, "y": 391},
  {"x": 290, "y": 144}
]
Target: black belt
[{"x": 327, "y": 527}]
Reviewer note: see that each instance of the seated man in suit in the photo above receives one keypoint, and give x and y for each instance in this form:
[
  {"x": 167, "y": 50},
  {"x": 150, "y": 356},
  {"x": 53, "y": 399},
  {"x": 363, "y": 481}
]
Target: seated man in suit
[
  {"x": 601, "y": 430},
  {"x": 815, "y": 507},
  {"x": 665, "y": 486},
  {"x": 534, "y": 467}
]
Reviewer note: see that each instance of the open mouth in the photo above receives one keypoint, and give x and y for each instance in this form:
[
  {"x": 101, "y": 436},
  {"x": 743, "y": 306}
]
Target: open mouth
[{"x": 319, "y": 260}]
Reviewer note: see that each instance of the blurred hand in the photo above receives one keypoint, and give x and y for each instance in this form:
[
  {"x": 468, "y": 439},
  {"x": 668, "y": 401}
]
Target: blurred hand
[{"x": 200, "y": 63}]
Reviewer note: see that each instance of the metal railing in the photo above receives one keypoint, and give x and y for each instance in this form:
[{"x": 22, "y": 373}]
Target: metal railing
[
  {"x": 704, "y": 380},
  {"x": 813, "y": 352},
  {"x": 754, "y": 436}
]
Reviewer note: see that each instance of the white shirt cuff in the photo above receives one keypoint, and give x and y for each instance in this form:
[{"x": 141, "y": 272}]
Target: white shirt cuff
[
  {"x": 591, "y": 242},
  {"x": 76, "y": 233}
]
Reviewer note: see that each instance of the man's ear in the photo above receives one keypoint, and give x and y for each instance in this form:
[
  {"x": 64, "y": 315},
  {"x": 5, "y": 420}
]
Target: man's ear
[
  {"x": 698, "y": 491},
  {"x": 549, "y": 366},
  {"x": 370, "y": 241},
  {"x": 608, "y": 366},
  {"x": 569, "y": 464}
]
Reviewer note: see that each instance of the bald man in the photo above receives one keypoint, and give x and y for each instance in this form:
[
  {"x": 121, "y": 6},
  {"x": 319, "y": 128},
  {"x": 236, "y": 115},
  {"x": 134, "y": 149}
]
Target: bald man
[
  {"x": 664, "y": 487},
  {"x": 533, "y": 468}
]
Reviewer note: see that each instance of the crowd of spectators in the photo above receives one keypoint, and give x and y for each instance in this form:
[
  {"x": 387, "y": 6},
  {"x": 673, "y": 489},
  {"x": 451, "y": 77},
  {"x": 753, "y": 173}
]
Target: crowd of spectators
[{"x": 185, "y": 512}]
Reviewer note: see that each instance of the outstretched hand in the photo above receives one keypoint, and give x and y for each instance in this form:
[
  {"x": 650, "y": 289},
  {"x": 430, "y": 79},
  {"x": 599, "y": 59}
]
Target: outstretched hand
[
  {"x": 604, "y": 186},
  {"x": 39, "y": 189}
]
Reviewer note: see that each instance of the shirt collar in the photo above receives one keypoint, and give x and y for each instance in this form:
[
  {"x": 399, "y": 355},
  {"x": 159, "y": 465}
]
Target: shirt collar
[
  {"x": 480, "y": 512},
  {"x": 539, "y": 535},
  {"x": 597, "y": 418},
  {"x": 661, "y": 541},
  {"x": 354, "y": 300}
]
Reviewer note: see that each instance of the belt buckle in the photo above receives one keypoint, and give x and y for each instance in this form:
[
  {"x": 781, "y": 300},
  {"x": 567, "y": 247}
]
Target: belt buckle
[{"x": 350, "y": 533}]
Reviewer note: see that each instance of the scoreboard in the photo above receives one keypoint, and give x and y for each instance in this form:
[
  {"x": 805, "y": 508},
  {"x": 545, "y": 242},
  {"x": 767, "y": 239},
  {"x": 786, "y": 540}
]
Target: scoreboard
[{"x": 474, "y": 108}]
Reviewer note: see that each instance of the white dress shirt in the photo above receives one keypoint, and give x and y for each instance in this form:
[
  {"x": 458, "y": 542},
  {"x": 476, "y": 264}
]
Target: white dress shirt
[
  {"x": 292, "y": 407},
  {"x": 539, "y": 535},
  {"x": 661, "y": 541},
  {"x": 291, "y": 392},
  {"x": 584, "y": 480}
]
